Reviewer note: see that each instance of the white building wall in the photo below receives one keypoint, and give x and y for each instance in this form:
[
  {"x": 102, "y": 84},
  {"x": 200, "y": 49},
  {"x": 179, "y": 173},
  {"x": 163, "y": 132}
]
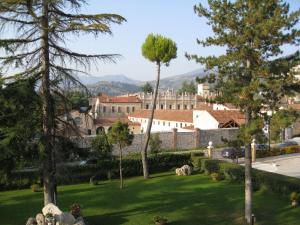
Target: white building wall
[
  {"x": 161, "y": 125},
  {"x": 220, "y": 107},
  {"x": 204, "y": 121}
]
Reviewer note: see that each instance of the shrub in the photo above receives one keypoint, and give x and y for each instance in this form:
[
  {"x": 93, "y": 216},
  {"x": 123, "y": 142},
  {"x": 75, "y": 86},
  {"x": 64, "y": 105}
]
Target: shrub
[
  {"x": 36, "y": 188},
  {"x": 160, "y": 220},
  {"x": 217, "y": 176},
  {"x": 75, "y": 210},
  {"x": 295, "y": 196},
  {"x": 132, "y": 166},
  {"x": 197, "y": 162},
  {"x": 197, "y": 154},
  {"x": 210, "y": 165},
  {"x": 155, "y": 143},
  {"x": 276, "y": 183}
]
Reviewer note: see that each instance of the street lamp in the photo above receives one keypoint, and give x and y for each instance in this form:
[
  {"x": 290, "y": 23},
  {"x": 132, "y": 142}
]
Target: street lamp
[{"x": 269, "y": 114}]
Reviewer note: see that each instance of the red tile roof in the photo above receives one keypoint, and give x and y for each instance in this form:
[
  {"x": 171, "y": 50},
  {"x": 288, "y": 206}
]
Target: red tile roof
[
  {"x": 224, "y": 116},
  {"x": 168, "y": 115},
  {"x": 118, "y": 99}
]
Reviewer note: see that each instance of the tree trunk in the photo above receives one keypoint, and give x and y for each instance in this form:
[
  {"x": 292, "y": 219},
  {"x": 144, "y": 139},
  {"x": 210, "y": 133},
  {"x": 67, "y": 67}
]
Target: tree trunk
[
  {"x": 48, "y": 117},
  {"x": 120, "y": 167},
  {"x": 148, "y": 131},
  {"x": 248, "y": 167}
]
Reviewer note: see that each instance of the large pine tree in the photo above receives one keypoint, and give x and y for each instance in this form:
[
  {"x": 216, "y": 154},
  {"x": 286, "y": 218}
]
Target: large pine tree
[
  {"x": 35, "y": 46},
  {"x": 253, "y": 32}
]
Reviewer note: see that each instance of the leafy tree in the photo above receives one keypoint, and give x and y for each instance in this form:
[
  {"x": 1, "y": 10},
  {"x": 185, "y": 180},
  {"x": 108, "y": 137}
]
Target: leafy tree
[
  {"x": 253, "y": 32},
  {"x": 147, "y": 88},
  {"x": 120, "y": 134},
  {"x": 77, "y": 99},
  {"x": 101, "y": 148},
  {"x": 19, "y": 125},
  {"x": 37, "y": 49},
  {"x": 159, "y": 50},
  {"x": 189, "y": 88},
  {"x": 155, "y": 143},
  {"x": 281, "y": 120}
]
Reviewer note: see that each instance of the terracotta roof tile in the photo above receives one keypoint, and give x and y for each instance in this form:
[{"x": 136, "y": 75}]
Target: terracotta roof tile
[
  {"x": 118, "y": 99},
  {"x": 168, "y": 115},
  {"x": 224, "y": 116}
]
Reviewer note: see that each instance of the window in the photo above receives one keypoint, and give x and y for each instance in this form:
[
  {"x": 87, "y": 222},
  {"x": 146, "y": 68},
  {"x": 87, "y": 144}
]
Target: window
[
  {"x": 153, "y": 122},
  {"x": 132, "y": 108},
  {"x": 178, "y": 106},
  {"x": 104, "y": 109},
  {"x": 180, "y": 125},
  {"x": 161, "y": 106},
  {"x": 164, "y": 123},
  {"x": 169, "y": 124},
  {"x": 89, "y": 132},
  {"x": 112, "y": 109},
  {"x": 192, "y": 106},
  {"x": 147, "y": 106},
  {"x": 170, "y": 106},
  {"x": 127, "y": 109},
  {"x": 158, "y": 123},
  {"x": 176, "y": 124},
  {"x": 185, "y": 125},
  {"x": 185, "y": 106},
  {"x": 119, "y": 109}
]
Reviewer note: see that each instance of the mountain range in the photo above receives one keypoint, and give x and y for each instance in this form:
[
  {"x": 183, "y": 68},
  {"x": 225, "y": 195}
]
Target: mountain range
[{"x": 121, "y": 84}]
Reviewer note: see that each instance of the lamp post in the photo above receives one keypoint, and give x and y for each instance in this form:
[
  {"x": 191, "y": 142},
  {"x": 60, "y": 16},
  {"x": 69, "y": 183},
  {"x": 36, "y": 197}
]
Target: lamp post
[{"x": 269, "y": 113}]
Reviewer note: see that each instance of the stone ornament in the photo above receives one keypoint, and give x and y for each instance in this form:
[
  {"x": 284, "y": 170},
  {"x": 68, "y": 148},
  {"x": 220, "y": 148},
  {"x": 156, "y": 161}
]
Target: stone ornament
[
  {"x": 40, "y": 219},
  {"x": 65, "y": 218},
  {"x": 31, "y": 221},
  {"x": 51, "y": 209},
  {"x": 185, "y": 170}
]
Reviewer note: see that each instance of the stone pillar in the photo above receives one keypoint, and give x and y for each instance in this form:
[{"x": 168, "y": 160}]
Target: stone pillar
[
  {"x": 174, "y": 138},
  {"x": 253, "y": 150},
  {"x": 197, "y": 138},
  {"x": 210, "y": 148}
]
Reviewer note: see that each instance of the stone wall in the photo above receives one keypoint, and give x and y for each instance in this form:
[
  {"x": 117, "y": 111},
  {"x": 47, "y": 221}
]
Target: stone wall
[{"x": 173, "y": 140}]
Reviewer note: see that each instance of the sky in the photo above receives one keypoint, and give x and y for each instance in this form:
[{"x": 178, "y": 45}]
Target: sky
[{"x": 174, "y": 19}]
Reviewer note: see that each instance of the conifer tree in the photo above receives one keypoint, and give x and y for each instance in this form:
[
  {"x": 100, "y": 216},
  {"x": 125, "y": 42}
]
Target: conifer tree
[
  {"x": 253, "y": 32},
  {"x": 37, "y": 48}
]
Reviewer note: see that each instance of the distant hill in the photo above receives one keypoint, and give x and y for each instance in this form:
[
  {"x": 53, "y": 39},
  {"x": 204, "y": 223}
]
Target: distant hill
[
  {"x": 174, "y": 82},
  {"x": 120, "y": 84},
  {"x": 87, "y": 80},
  {"x": 112, "y": 88}
]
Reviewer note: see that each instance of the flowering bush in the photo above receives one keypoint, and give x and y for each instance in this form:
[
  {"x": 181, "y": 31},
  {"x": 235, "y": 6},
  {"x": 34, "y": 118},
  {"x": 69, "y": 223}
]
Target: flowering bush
[{"x": 75, "y": 210}]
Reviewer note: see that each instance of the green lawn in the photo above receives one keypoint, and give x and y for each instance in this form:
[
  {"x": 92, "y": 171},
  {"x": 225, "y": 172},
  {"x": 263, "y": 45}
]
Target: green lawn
[{"x": 194, "y": 200}]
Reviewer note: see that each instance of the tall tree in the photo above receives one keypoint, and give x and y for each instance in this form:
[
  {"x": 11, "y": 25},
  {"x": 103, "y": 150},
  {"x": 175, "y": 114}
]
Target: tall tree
[
  {"x": 159, "y": 50},
  {"x": 19, "y": 125},
  {"x": 120, "y": 134},
  {"x": 38, "y": 49},
  {"x": 253, "y": 32},
  {"x": 189, "y": 88},
  {"x": 147, "y": 88}
]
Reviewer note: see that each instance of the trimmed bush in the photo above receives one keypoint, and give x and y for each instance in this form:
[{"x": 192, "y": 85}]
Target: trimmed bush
[
  {"x": 277, "y": 151},
  {"x": 103, "y": 170},
  {"x": 276, "y": 183},
  {"x": 217, "y": 176}
]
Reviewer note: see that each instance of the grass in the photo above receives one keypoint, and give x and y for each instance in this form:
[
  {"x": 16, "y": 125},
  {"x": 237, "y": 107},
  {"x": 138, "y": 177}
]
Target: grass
[{"x": 194, "y": 200}]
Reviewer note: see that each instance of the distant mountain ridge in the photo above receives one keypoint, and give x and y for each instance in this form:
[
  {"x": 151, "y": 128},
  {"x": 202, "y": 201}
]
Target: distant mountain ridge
[{"x": 121, "y": 84}]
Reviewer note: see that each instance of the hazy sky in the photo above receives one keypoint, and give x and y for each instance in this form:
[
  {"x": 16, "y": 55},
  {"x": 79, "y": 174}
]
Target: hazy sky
[{"x": 172, "y": 18}]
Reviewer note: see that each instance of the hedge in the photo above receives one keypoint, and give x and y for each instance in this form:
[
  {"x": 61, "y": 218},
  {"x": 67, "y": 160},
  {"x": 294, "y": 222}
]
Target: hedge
[
  {"x": 276, "y": 183},
  {"x": 277, "y": 151},
  {"x": 101, "y": 171}
]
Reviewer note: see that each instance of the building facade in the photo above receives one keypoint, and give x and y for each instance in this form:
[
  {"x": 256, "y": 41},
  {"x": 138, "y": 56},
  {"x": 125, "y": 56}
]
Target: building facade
[{"x": 169, "y": 100}]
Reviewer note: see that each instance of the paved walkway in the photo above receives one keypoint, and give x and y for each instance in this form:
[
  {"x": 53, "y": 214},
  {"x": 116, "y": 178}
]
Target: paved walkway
[{"x": 288, "y": 165}]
